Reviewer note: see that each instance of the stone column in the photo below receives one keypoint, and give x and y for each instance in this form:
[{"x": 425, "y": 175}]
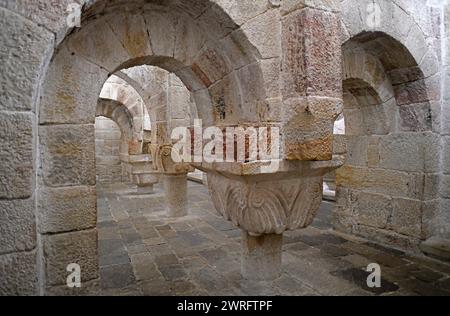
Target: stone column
[
  {"x": 142, "y": 173},
  {"x": 175, "y": 187},
  {"x": 265, "y": 204},
  {"x": 261, "y": 257}
]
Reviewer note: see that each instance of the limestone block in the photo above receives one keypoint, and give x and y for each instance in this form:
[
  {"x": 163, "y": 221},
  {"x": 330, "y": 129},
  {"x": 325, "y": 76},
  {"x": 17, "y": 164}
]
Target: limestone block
[
  {"x": 238, "y": 49},
  {"x": 18, "y": 273},
  {"x": 357, "y": 150},
  {"x": 371, "y": 209},
  {"x": 264, "y": 32},
  {"x": 446, "y": 154},
  {"x": 288, "y": 6},
  {"x": 64, "y": 249},
  {"x": 16, "y": 155},
  {"x": 26, "y": 48},
  {"x": 242, "y": 11},
  {"x": 226, "y": 97},
  {"x": 435, "y": 218},
  {"x": 406, "y": 217},
  {"x": 97, "y": 43},
  {"x": 308, "y": 129},
  {"x": 410, "y": 152},
  {"x": 216, "y": 22},
  {"x": 189, "y": 42},
  {"x": 382, "y": 181},
  {"x": 411, "y": 92},
  {"x": 431, "y": 186},
  {"x": 304, "y": 33},
  {"x": 373, "y": 153},
  {"x": 131, "y": 31},
  {"x": 42, "y": 12},
  {"x": 354, "y": 121},
  {"x": 388, "y": 237},
  {"x": 445, "y": 186},
  {"x": 71, "y": 90},
  {"x": 251, "y": 92},
  {"x": 66, "y": 209},
  {"x": 67, "y": 155},
  {"x": 17, "y": 225},
  {"x": 180, "y": 100},
  {"x": 210, "y": 66},
  {"x": 339, "y": 145},
  {"x": 415, "y": 118},
  {"x": 162, "y": 31}
]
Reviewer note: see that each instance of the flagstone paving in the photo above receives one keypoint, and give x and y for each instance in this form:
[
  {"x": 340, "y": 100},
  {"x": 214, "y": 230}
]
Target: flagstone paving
[{"x": 142, "y": 252}]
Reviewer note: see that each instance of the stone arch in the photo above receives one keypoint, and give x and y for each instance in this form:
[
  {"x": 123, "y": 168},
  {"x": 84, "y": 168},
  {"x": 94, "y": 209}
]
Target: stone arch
[
  {"x": 388, "y": 182},
  {"x": 405, "y": 47},
  {"x": 116, "y": 88},
  {"x": 115, "y": 40},
  {"x": 119, "y": 113}
]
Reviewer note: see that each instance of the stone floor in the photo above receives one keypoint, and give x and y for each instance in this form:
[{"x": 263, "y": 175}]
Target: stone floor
[{"x": 144, "y": 253}]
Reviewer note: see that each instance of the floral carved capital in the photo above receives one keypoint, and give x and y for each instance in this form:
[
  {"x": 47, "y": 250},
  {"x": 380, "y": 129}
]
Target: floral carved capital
[{"x": 267, "y": 207}]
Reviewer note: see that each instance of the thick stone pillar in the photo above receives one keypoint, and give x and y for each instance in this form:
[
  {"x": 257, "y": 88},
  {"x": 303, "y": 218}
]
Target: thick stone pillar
[
  {"x": 265, "y": 204},
  {"x": 261, "y": 257},
  {"x": 175, "y": 187}
]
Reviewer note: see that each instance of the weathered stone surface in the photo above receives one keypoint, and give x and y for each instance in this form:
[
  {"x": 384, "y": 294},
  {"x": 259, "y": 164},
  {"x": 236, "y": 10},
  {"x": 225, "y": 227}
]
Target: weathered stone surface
[
  {"x": 16, "y": 154},
  {"x": 371, "y": 209},
  {"x": 63, "y": 249},
  {"x": 162, "y": 31},
  {"x": 97, "y": 43},
  {"x": 264, "y": 32},
  {"x": 304, "y": 32},
  {"x": 381, "y": 181},
  {"x": 175, "y": 187},
  {"x": 66, "y": 209},
  {"x": 67, "y": 155},
  {"x": 131, "y": 31},
  {"x": 18, "y": 274},
  {"x": 261, "y": 259},
  {"x": 26, "y": 47},
  {"x": 17, "y": 225},
  {"x": 406, "y": 217},
  {"x": 410, "y": 152},
  {"x": 71, "y": 90}
]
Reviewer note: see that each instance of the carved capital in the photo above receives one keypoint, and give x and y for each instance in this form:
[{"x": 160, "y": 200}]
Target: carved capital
[
  {"x": 163, "y": 162},
  {"x": 266, "y": 207}
]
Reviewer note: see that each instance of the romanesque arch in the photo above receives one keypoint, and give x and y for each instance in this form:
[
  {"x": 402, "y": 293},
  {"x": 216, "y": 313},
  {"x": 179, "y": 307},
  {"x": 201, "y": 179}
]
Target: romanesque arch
[
  {"x": 392, "y": 125},
  {"x": 83, "y": 62}
]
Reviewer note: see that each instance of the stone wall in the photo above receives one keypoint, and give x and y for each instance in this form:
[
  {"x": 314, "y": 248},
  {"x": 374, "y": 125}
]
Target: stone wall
[
  {"x": 243, "y": 61},
  {"x": 108, "y": 139},
  {"x": 388, "y": 189}
]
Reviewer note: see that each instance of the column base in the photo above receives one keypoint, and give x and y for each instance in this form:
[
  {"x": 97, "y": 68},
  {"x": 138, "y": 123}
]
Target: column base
[
  {"x": 175, "y": 187},
  {"x": 261, "y": 257}
]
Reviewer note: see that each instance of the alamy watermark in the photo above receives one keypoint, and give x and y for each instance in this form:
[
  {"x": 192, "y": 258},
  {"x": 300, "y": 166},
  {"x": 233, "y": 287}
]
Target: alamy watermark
[
  {"x": 374, "y": 278},
  {"x": 74, "y": 278},
  {"x": 74, "y": 15}
]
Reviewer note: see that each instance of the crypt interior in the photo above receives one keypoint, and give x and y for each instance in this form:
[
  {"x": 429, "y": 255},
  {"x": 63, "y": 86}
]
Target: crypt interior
[{"x": 356, "y": 93}]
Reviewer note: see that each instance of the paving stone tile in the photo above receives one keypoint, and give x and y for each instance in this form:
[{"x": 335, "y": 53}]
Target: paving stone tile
[
  {"x": 173, "y": 272},
  {"x": 117, "y": 276},
  {"x": 200, "y": 255}
]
